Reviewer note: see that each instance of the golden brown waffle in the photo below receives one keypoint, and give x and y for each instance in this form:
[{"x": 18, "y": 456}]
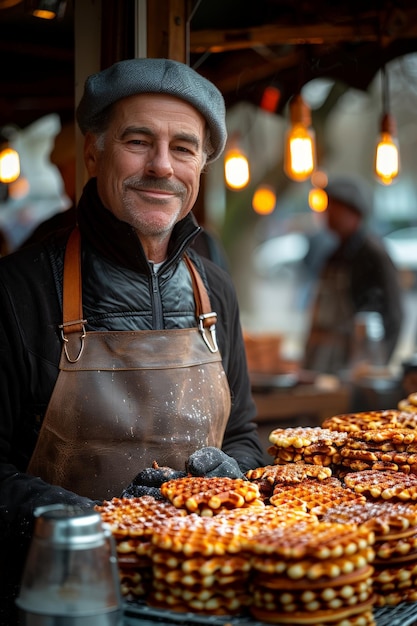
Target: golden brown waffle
[
  {"x": 395, "y": 584},
  {"x": 374, "y": 484},
  {"x": 253, "y": 519},
  {"x": 302, "y": 437},
  {"x": 384, "y": 449},
  {"x": 396, "y": 436},
  {"x": 222, "y": 534},
  {"x": 209, "y": 496},
  {"x": 412, "y": 398},
  {"x": 291, "y": 473},
  {"x": 309, "y": 494},
  {"x": 384, "y": 518},
  {"x": 267, "y": 477},
  {"x": 310, "y": 539},
  {"x": 366, "y": 420},
  {"x": 198, "y": 563},
  {"x": 132, "y": 522},
  {"x": 135, "y": 517},
  {"x": 311, "y": 445},
  {"x": 194, "y": 534},
  {"x": 311, "y": 573},
  {"x": 360, "y": 615},
  {"x": 214, "y": 601}
]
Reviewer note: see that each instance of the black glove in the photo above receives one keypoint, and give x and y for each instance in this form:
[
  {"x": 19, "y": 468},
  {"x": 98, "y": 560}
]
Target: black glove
[
  {"x": 213, "y": 462},
  {"x": 148, "y": 481},
  {"x": 136, "y": 491}
]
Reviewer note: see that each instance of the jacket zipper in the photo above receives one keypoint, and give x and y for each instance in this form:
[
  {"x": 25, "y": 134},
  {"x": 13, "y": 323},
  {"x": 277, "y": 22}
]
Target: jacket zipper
[{"x": 157, "y": 317}]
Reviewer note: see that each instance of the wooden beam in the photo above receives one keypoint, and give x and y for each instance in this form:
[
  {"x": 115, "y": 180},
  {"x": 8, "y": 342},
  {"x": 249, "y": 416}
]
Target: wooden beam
[
  {"x": 273, "y": 35},
  {"x": 166, "y": 29}
]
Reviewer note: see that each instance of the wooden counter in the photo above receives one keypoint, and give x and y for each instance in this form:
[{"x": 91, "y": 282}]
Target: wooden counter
[{"x": 301, "y": 405}]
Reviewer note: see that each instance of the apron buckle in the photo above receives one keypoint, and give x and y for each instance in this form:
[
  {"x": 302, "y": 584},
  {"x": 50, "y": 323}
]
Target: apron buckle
[
  {"x": 203, "y": 324},
  {"x": 65, "y": 338}
]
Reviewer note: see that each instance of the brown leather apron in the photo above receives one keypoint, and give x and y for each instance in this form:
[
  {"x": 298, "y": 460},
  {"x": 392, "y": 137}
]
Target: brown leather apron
[
  {"x": 125, "y": 399},
  {"x": 330, "y": 338}
]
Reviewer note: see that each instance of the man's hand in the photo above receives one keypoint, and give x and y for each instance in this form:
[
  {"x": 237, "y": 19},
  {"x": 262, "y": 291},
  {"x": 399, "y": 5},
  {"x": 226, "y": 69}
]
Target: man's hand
[
  {"x": 213, "y": 462},
  {"x": 148, "y": 481}
]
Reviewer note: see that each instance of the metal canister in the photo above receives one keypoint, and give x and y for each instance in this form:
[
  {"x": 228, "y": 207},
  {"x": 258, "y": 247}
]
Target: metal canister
[{"x": 70, "y": 576}]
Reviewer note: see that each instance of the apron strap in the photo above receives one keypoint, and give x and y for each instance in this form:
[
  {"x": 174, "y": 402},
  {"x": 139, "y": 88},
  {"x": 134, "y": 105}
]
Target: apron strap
[
  {"x": 72, "y": 308},
  {"x": 206, "y": 317}
]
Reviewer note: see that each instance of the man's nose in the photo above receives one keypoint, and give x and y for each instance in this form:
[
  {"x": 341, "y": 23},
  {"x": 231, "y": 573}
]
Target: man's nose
[{"x": 160, "y": 163}]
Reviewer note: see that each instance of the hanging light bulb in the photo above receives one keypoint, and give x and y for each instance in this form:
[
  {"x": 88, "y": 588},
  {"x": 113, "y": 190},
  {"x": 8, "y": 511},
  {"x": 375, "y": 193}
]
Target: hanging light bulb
[
  {"x": 317, "y": 196},
  {"x": 9, "y": 165},
  {"x": 236, "y": 166},
  {"x": 264, "y": 200},
  {"x": 300, "y": 144},
  {"x": 387, "y": 159},
  {"x": 317, "y": 200}
]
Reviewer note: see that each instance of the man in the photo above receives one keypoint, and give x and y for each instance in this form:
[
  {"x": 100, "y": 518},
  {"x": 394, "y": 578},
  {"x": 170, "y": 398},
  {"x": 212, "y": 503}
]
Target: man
[
  {"x": 358, "y": 277},
  {"x": 120, "y": 346}
]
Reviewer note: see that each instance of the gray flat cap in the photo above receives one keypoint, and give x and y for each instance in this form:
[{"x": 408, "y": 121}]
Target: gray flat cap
[
  {"x": 352, "y": 191},
  {"x": 136, "y": 76}
]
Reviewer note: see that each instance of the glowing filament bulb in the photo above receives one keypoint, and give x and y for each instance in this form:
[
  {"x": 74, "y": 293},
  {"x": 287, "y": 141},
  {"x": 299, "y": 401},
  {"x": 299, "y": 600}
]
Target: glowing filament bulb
[
  {"x": 9, "y": 165},
  {"x": 300, "y": 149},
  {"x": 236, "y": 169}
]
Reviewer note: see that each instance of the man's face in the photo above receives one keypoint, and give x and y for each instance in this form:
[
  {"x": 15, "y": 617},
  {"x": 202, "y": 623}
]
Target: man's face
[
  {"x": 148, "y": 168},
  {"x": 341, "y": 219}
]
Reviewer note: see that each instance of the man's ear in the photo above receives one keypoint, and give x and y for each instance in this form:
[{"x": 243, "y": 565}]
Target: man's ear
[{"x": 90, "y": 154}]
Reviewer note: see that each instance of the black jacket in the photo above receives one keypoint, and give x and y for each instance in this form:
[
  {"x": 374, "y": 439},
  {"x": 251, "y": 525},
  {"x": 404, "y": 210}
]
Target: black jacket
[{"x": 120, "y": 292}]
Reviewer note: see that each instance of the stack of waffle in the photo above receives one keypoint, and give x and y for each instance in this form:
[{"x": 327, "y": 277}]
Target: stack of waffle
[
  {"x": 409, "y": 406},
  {"x": 314, "y": 445},
  {"x": 368, "y": 420},
  {"x": 132, "y": 522},
  {"x": 395, "y": 528},
  {"x": 199, "y": 564},
  {"x": 268, "y": 477},
  {"x": 381, "y": 449},
  {"x": 312, "y": 572}
]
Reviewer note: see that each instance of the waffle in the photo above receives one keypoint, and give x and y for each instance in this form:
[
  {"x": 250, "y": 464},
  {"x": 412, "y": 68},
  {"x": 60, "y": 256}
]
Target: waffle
[
  {"x": 132, "y": 522},
  {"x": 311, "y": 572},
  {"x": 302, "y": 437},
  {"x": 309, "y": 494},
  {"x": 135, "y": 517},
  {"x": 384, "y": 518},
  {"x": 366, "y": 420},
  {"x": 384, "y": 449},
  {"x": 311, "y": 445},
  {"x": 206, "y": 602},
  {"x": 395, "y": 584},
  {"x": 198, "y": 563},
  {"x": 409, "y": 406},
  {"x": 397, "y": 436},
  {"x": 395, "y": 486},
  {"x": 293, "y": 473},
  {"x": 308, "y": 538},
  {"x": 209, "y": 496},
  {"x": 360, "y": 615},
  {"x": 267, "y": 477}
]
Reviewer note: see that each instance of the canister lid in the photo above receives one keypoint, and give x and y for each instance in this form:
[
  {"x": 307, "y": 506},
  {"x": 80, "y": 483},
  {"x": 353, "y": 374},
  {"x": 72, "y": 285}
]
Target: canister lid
[{"x": 69, "y": 526}]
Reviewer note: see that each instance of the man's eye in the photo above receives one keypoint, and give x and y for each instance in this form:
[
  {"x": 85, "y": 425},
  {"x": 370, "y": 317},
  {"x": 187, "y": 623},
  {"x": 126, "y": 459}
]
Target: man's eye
[{"x": 183, "y": 149}]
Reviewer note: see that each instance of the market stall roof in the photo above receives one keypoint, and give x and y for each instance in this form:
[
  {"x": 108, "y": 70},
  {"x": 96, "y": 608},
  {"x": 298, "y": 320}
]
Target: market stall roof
[{"x": 243, "y": 47}]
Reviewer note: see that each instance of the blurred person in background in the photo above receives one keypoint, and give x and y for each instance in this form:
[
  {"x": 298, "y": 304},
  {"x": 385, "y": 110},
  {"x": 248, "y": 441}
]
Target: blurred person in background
[{"x": 357, "y": 278}]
